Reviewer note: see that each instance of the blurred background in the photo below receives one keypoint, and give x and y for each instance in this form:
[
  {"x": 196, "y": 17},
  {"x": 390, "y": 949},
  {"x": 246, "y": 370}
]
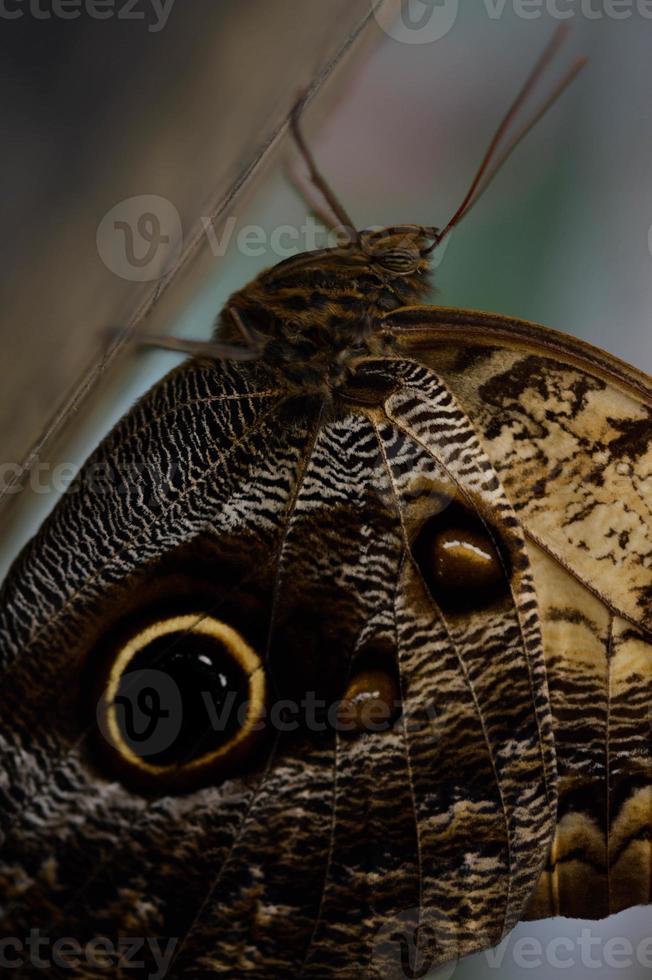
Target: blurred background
[{"x": 145, "y": 179}]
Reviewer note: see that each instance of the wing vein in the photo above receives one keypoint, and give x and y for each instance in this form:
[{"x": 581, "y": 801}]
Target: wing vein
[
  {"x": 607, "y": 603},
  {"x": 165, "y": 510},
  {"x": 549, "y": 796},
  {"x": 395, "y": 495},
  {"x": 302, "y": 467}
]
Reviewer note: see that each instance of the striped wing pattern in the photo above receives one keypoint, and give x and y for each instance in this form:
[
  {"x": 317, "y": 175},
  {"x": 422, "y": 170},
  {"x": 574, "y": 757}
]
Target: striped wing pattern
[
  {"x": 569, "y": 433},
  {"x": 333, "y": 855}
]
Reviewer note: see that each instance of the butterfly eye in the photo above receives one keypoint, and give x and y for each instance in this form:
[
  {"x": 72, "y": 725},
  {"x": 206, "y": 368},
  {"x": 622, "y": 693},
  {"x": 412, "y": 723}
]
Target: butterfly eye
[
  {"x": 460, "y": 561},
  {"x": 182, "y": 701},
  {"x": 402, "y": 261}
]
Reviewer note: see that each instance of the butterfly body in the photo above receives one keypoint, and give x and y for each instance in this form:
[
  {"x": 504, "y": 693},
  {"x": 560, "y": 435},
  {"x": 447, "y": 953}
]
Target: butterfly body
[{"x": 315, "y": 316}]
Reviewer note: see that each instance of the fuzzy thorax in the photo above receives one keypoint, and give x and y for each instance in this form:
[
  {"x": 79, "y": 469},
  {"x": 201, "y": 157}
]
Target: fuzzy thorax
[{"x": 314, "y": 316}]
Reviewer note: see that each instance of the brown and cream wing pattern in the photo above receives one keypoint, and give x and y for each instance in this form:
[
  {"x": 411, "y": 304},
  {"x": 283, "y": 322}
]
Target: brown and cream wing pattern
[{"x": 568, "y": 430}]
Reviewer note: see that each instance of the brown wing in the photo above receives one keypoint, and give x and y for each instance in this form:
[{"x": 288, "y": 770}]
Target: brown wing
[
  {"x": 328, "y": 853},
  {"x": 568, "y": 429}
]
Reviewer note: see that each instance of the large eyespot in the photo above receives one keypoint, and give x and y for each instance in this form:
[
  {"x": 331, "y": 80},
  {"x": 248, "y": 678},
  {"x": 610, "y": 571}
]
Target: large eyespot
[
  {"x": 182, "y": 701},
  {"x": 460, "y": 560}
]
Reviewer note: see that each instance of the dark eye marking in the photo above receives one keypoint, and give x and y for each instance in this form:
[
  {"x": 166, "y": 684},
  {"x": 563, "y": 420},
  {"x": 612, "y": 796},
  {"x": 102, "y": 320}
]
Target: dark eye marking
[
  {"x": 402, "y": 261},
  {"x": 181, "y": 701},
  {"x": 462, "y": 562}
]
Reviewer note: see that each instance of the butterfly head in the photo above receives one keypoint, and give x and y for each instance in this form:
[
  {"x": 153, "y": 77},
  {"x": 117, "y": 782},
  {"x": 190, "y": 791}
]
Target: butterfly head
[
  {"x": 401, "y": 250},
  {"x": 316, "y": 317}
]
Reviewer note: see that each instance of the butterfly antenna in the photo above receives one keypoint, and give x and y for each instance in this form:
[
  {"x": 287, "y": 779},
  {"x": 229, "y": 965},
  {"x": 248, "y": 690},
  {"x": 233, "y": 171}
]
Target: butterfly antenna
[
  {"x": 316, "y": 177},
  {"x": 527, "y": 129},
  {"x": 486, "y": 172}
]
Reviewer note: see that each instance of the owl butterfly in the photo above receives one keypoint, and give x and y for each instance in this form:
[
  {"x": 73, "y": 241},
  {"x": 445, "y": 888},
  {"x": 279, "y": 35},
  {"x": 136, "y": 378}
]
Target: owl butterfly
[{"x": 336, "y": 661}]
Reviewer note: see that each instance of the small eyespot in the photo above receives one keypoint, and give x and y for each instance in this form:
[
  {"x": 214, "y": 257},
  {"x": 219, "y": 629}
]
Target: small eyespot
[
  {"x": 370, "y": 703},
  {"x": 459, "y": 560},
  {"x": 372, "y": 699},
  {"x": 182, "y": 701}
]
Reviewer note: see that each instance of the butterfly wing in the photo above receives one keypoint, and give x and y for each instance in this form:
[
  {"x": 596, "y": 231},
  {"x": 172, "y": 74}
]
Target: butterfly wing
[
  {"x": 331, "y": 853},
  {"x": 568, "y": 430}
]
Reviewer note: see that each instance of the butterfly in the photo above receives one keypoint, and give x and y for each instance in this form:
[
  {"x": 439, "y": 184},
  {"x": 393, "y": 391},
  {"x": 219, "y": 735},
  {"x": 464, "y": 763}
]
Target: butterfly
[{"x": 400, "y": 558}]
